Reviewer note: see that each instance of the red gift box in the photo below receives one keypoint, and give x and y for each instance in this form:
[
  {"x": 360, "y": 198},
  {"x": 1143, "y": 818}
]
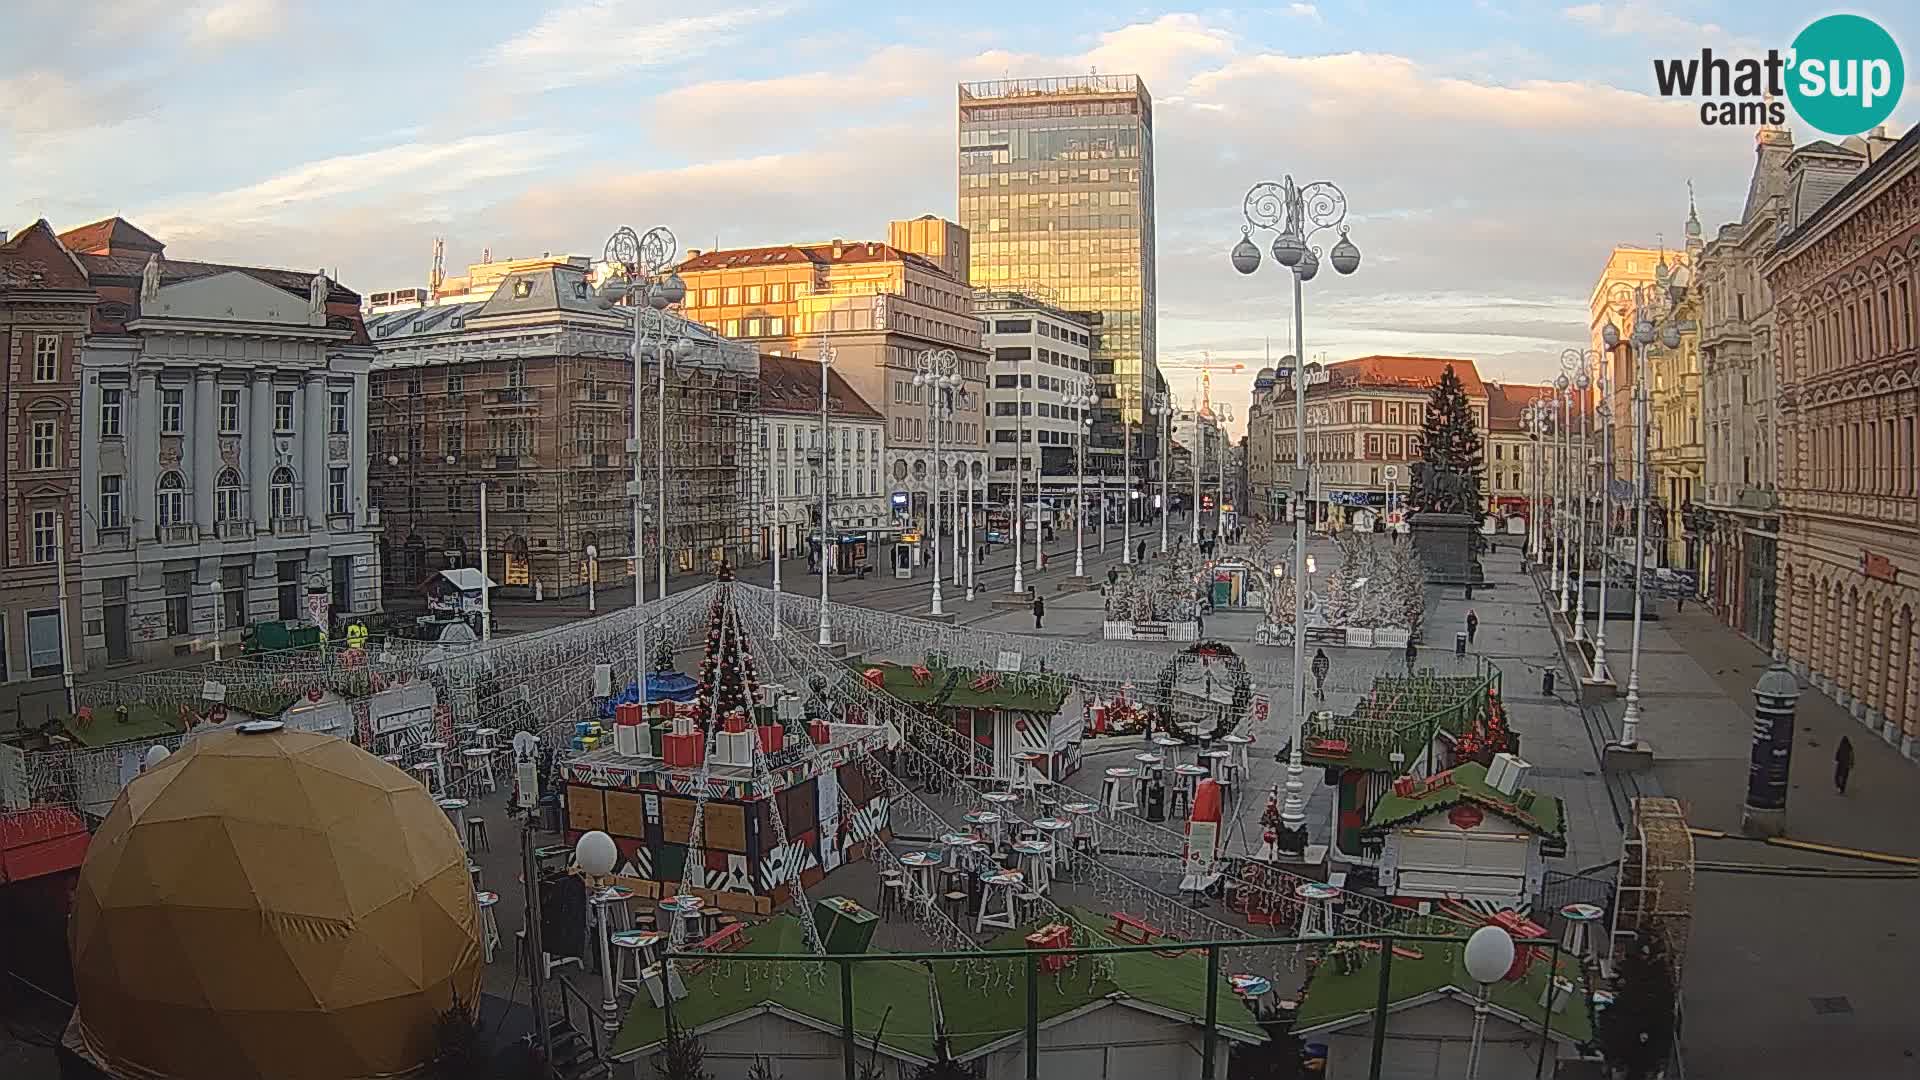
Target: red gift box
[
  {"x": 1051, "y": 936},
  {"x": 666, "y": 708},
  {"x": 1519, "y": 926},
  {"x": 819, "y": 732},
  {"x": 772, "y": 738},
  {"x": 734, "y": 723},
  {"x": 1403, "y": 786},
  {"x": 627, "y": 713},
  {"x": 683, "y": 751}
]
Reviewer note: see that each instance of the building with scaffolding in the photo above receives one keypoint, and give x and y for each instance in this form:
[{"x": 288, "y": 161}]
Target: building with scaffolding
[{"x": 517, "y": 379}]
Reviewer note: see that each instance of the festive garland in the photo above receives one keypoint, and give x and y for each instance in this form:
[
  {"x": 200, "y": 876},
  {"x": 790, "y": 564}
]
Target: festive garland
[{"x": 1203, "y": 653}]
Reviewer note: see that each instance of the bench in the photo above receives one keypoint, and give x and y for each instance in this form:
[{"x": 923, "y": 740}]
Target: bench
[
  {"x": 729, "y": 938},
  {"x": 1148, "y": 631},
  {"x": 1132, "y": 930}
]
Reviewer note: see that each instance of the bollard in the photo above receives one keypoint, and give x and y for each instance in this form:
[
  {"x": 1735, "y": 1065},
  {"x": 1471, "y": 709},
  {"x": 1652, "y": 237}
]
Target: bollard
[
  {"x": 1775, "y": 698},
  {"x": 1546, "y": 683}
]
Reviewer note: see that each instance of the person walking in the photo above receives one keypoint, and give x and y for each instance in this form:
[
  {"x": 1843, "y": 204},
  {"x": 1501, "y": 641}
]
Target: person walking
[
  {"x": 1140, "y": 552},
  {"x": 1473, "y": 626},
  {"x": 1113, "y": 576},
  {"x": 1842, "y": 764},
  {"x": 1321, "y": 665},
  {"x": 1413, "y": 656},
  {"x": 1039, "y": 610},
  {"x": 1200, "y": 623}
]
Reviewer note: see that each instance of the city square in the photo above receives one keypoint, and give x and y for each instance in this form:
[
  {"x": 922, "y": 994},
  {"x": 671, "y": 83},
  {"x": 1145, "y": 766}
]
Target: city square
[{"x": 667, "y": 656}]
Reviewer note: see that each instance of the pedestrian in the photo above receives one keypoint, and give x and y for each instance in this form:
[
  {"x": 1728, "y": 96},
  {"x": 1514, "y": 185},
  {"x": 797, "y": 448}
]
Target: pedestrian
[
  {"x": 1320, "y": 667},
  {"x": 1140, "y": 552},
  {"x": 1680, "y": 603},
  {"x": 1473, "y": 626},
  {"x": 1413, "y": 656},
  {"x": 1113, "y": 576},
  {"x": 1039, "y": 610},
  {"x": 1842, "y": 764}
]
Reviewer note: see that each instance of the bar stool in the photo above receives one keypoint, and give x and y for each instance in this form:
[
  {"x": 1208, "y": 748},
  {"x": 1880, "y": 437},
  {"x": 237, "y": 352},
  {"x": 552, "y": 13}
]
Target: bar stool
[
  {"x": 452, "y": 808},
  {"x": 1238, "y": 743},
  {"x": 1050, "y": 830},
  {"x": 481, "y": 760},
  {"x": 637, "y": 949},
  {"x": 893, "y": 894},
  {"x": 1170, "y": 747},
  {"x": 477, "y": 834},
  {"x": 955, "y": 902},
  {"x": 1119, "y": 784},
  {"x": 489, "y": 929},
  {"x": 1034, "y": 857},
  {"x": 473, "y": 871},
  {"x": 1185, "y": 777},
  {"x": 425, "y": 772},
  {"x": 485, "y": 735},
  {"x": 1086, "y": 824},
  {"x": 1577, "y": 939},
  {"x": 1031, "y": 766},
  {"x": 439, "y": 752},
  {"x": 1316, "y": 908},
  {"x": 684, "y": 911},
  {"x": 920, "y": 866},
  {"x": 1149, "y": 768},
  {"x": 985, "y": 819},
  {"x": 999, "y": 886}
]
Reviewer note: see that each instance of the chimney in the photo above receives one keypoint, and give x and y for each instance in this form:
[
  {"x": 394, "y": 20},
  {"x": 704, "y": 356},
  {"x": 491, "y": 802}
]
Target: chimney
[
  {"x": 3, "y": 236},
  {"x": 693, "y": 253},
  {"x": 839, "y": 247},
  {"x": 869, "y": 247}
]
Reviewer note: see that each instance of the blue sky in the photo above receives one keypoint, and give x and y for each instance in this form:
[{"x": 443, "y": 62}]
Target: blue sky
[{"x": 1491, "y": 151}]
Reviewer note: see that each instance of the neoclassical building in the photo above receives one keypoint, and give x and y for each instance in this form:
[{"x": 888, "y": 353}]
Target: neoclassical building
[{"x": 1844, "y": 283}]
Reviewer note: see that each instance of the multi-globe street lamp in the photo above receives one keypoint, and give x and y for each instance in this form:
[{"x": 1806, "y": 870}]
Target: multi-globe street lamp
[
  {"x": 1080, "y": 398},
  {"x": 1294, "y": 215},
  {"x": 1222, "y": 417},
  {"x": 939, "y": 374},
  {"x": 827, "y": 353},
  {"x": 1160, "y": 404},
  {"x": 1579, "y": 363},
  {"x": 642, "y": 274},
  {"x": 1648, "y": 305},
  {"x": 1562, "y": 557},
  {"x": 1533, "y": 420}
]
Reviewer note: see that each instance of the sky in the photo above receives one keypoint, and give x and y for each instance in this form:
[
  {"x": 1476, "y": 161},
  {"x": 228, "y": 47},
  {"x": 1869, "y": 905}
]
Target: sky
[{"x": 1491, "y": 151}]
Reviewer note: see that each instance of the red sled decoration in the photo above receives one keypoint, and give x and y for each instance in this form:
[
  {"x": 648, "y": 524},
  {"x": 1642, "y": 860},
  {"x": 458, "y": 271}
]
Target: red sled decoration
[
  {"x": 986, "y": 682},
  {"x": 772, "y": 738},
  {"x": 921, "y": 675},
  {"x": 819, "y": 732},
  {"x": 683, "y": 751}
]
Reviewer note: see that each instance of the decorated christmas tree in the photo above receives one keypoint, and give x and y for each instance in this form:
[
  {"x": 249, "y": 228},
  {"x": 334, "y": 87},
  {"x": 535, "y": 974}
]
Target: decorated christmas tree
[
  {"x": 1636, "y": 1032},
  {"x": 1449, "y": 444},
  {"x": 727, "y": 677}
]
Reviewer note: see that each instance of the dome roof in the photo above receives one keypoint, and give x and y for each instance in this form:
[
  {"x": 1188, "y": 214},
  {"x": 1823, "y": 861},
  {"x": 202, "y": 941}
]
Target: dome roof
[
  {"x": 1265, "y": 375},
  {"x": 271, "y": 905}
]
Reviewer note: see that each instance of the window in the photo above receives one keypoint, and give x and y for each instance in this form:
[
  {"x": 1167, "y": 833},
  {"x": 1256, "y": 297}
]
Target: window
[
  {"x": 283, "y": 410},
  {"x": 44, "y": 445},
  {"x": 281, "y": 492},
  {"x": 753, "y": 294},
  {"x": 178, "y": 586},
  {"x": 732, "y": 328},
  {"x": 287, "y": 589},
  {"x": 227, "y": 501},
  {"x": 775, "y": 293},
  {"x": 173, "y": 499},
  {"x": 110, "y": 413},
  {"x": 516, "y": 496},
  {"x": 456, "y": 437},
  {"x": 710, "y": 297},
  {"x": 172, "y": 407},
  {"x": 46, "y": 358},
  {"x": 338, "y": 412},
  {"x": 233, "y": 597},
  {"x": 229, "y": 412},
  {"x": 733, "y": 294},
  {"x": 413, "y": 384},
  {"x": 337, "y": 491},
  {"x": 342, "y": 567},
  {"x": 456, "y": 383},
  {"x": 776, "y": 327},
  {"x": 45, "y": 537},
  {"x": 111, "y": 514},
  {"x": 43, "y": 643}
]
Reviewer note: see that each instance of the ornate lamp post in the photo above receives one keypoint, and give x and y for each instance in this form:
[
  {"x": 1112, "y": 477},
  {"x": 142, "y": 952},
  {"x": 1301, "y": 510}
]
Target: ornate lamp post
[
  {"x": 827, "y": 353},
  {"x": 1222, "y": 416},
  {"x": 974, "y": 479},
  {"x": 1080, "y": 397},
  {"x": 1579, "y": 362},
  {"x": 640, "y": 262},
  {"x": 1530, "y": 422},
  {"x": 1126, "y": 493},
  {"x": 938, "y": 372},
  {"x": 1563, "y": 534},
  {"x": 1161, "y": 405},
  {"x": 1295, "y": 214}
]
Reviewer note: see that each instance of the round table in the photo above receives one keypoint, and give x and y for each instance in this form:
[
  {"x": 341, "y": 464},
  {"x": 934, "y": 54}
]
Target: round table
[
  {"x": 1582, "y": 912},
  {"x": 1217, "y": 761},
  {"x": 480, "y": 759},
  {"x": 1031, "y": 847},
  {"x": 1002, "y": 797},
  {"x": 1250, "y": 986},
  {"x": 1079, "y": 808},
  {"x": 920, "y": 865},
  {"x": 1051, "y": 828},
  {"x": 1150, "y": 762},
  {"x": 485, "y": 735},
  {"x": 452, "y": 807},
  {"x": 428, "y": 773},
  {"x": 1314, "y": 890},
  {"x": 1121, "y": 772},
  {"x": 984, "y": 819},
  {"x": 958, "y": 845}
]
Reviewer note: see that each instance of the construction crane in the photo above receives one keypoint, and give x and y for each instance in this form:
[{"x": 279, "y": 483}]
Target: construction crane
[{"x": 1206, "y": 367}]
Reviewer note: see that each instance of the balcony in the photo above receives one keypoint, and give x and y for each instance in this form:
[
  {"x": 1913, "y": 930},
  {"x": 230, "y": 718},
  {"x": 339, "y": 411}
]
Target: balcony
[
  {"x": 290, "y": 526},
  {"x": 175, "y": 535},
  {"x": 236, "y": 529},
  {"x": 524, "y": 397}
]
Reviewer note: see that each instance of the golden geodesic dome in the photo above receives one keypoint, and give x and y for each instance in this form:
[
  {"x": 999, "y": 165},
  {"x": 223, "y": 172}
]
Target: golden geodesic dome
[{"x": 279, "y": 904}]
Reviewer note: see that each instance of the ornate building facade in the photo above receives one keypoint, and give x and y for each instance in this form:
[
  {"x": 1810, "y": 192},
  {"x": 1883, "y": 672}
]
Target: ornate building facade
[
  {"x": 44, "y": 303},
  {"x": 1845, "y": 283}
]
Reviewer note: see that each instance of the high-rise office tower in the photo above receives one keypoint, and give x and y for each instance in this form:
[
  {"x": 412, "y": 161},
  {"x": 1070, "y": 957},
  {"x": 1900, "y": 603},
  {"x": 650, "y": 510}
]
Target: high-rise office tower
[{"x": 1056, "y": 193}]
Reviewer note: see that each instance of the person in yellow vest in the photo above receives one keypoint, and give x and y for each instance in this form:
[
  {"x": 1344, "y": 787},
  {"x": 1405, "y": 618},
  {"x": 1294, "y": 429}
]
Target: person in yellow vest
[{"x": 356, "y": 635}]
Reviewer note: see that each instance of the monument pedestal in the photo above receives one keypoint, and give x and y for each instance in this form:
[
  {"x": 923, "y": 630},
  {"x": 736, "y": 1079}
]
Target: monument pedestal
[{"x": 1444, "y": 544}]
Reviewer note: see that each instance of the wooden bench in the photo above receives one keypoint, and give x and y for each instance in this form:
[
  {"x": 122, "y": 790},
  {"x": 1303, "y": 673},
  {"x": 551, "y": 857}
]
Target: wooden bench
[
  {"x": 1132, "y": 930},
  {"x": 729, "y": 938}
]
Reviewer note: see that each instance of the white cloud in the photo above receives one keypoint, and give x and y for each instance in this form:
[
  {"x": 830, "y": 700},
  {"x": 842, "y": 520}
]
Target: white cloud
[
  {"x": 1309, "y": 12},
  {"x": 225, "y": 22},
  {"x": 43, "y": 101},
  {"x": 1638, "y": 18},
  {"x": 586, "y": 42}
]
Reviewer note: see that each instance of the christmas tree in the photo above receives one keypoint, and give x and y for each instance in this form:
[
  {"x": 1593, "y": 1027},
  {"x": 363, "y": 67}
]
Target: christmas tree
[
  {"x": 727, "y": 678},
  {"x": 1636, "y": 1031},
  {"x": 1449, "y": 443}
]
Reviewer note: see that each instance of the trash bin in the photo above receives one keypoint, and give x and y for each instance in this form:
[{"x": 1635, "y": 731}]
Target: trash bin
[
  {"x": 1460, "y": 644},
  {"x": 1546, "y": 683}
]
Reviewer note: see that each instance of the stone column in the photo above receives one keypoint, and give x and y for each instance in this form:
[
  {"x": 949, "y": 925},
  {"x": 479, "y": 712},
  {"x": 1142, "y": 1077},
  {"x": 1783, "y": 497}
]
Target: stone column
[
  {"x": 1775, "y": 697},
  {"x": 205, "y": 431},
  {"x": 260, "y": 450},
  {"x": 357, "y": 450},
  {"x": 145, "y": 456},
  {"x": 313, "y": 441}
]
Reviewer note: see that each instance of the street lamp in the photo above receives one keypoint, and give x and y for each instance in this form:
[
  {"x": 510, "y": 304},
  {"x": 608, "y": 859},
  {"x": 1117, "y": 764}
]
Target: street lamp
[
  {"x": 1080, "y": 397},
  {"x": 1488, "y": 957},
  {"x": 640, "y": 262},
  {"x": 1161, "y": 405},
  {"x": 1563, "y": 558},
  {"x": 1019, "y": 477},
  {"x": 973, "y": 472},
  {"x": 774, "y": 476},
  {"x": 1647, "y": 306},
  {"x": 1295, "y": 214},
  {"x": 593, "y": 571},
  {"x": 1579, "y": 362},
  {"x": 827, "y": 354},
  {"x": 594, "y": 854},
  {"x": 938, "y": 373},
  {"x": 216, "y": 588},
  {"x": 1222, "y": 416}
]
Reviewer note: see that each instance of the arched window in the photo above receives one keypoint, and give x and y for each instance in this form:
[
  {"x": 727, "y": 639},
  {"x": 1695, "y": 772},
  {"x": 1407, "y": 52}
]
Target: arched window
[
  {"x": 173, "y": 498},
  {"x": 282, "y": 494},
  {"x": 228, "y": 505}
]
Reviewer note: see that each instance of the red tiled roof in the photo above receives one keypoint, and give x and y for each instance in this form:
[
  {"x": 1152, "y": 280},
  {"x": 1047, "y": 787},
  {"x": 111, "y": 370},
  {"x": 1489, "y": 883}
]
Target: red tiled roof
[
  {"x": 1506, "y": 401},
  {"x": 789, "y": 384},
  {"x": 113, "y": 234},
  {"x": 816, "y": 254},
  {"x": 1420, "y": 372},
  {"x": 35, "y": 259}
]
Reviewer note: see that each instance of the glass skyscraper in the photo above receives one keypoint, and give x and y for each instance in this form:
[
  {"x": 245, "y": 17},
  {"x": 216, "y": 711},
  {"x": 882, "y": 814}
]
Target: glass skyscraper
[{"x": 1056, "y": 190}]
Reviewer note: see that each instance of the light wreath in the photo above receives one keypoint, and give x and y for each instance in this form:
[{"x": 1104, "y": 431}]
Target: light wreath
[{"x": 1203, "y": 653}]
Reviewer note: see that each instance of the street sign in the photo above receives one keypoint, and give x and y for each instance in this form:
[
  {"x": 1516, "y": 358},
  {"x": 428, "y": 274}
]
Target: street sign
[{"x": 1392, "y": 472}]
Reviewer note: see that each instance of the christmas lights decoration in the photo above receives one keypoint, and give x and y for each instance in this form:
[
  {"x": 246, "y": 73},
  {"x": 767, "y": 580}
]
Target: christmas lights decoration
[{"x": 1215, "y": 720}]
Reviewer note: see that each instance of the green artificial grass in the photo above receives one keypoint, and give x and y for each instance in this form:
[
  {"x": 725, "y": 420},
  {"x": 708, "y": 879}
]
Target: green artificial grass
[
  {"x": 1331, "y": 996},
  {"x": 139, "y": 723},
  {"x": 954, "y": 687},
  {"x": 1545, "y": 817},
  {"x": 891, "y": 997}
]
